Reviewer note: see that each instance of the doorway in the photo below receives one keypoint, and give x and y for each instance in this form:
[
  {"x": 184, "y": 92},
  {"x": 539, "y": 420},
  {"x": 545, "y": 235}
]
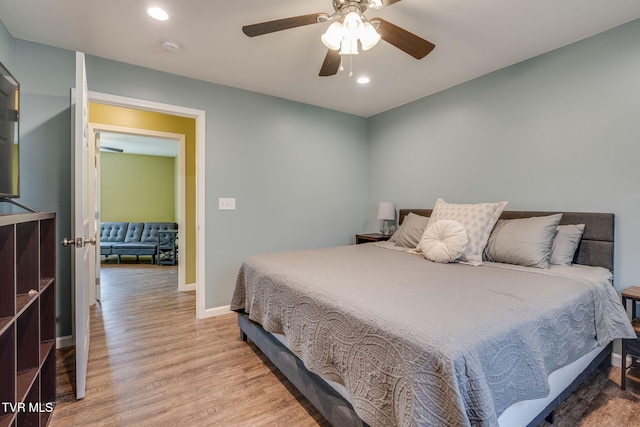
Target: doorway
[
  {"x": 111, "y": 110},
  {"x": 143, "y": 180}
]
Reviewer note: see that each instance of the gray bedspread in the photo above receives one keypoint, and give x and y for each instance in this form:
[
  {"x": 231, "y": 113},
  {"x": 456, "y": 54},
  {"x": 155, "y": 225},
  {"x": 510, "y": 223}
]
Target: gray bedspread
[{"x": 417, "y": 343}]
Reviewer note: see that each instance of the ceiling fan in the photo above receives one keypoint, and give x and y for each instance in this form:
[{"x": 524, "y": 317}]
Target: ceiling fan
[
  {"x": 349, "y": 31},
  {"x": 113, "y": 149}
]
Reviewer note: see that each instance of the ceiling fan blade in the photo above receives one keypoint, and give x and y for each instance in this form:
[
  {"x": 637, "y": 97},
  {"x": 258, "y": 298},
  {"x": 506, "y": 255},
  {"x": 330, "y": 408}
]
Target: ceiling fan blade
[
  {"x": 281, "y": 24},
  {"x": 389, "y": 2},
  {"x": 403, "y": 39},
  {"x": 115, "y": 150},
  {"x": 331, "y": 63}
]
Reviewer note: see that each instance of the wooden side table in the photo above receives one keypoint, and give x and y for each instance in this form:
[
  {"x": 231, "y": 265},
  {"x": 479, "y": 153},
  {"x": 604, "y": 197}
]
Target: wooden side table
[
  {"x": 631, "y": 347},
  {"x": 371, "y": 237}
]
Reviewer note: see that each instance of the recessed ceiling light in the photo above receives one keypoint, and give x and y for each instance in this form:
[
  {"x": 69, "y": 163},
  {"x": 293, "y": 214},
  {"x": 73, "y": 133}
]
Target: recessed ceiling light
[
  {"x": 363, "y": 80},
  {"x": 157, "y": 13}
]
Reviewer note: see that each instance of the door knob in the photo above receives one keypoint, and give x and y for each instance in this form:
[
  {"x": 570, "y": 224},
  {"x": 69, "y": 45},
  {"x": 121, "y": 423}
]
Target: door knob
[{"x": 78, "y": 242}]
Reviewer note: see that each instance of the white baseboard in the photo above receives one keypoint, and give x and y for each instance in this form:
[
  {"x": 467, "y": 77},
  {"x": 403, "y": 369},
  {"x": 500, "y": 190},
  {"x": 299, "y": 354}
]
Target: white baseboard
[
  {"x": 616, "y": 360},
  {"x": 67, "y": 341},
  {"x": 187, "y": 288},
  {"x": 64, "y": 342},
  {"x": 217, "y": 311}
]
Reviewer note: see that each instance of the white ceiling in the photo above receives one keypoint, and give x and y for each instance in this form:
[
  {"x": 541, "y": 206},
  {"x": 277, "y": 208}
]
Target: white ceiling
[
  {"x": 472, "y": 38},
  {"x": 139, "y": 144}
]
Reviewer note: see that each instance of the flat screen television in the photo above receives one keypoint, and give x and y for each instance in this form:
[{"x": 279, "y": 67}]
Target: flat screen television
[{"x": 9, "y": 135}]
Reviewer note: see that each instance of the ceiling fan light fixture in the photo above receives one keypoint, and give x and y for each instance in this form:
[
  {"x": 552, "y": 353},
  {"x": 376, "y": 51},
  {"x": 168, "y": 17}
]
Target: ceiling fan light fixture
[
  {"x": 352, "y": 22},
  {"x": 349, "y": 46},
  {"x": 369, "y": 37},
  {"x": 348, "y": 31},
  {"x": 332, "y": 38},
  {"x": 344, "y": 34}
]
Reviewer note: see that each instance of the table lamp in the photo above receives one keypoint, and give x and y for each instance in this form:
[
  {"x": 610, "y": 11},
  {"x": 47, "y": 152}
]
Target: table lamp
[{"x": 387, "y": 214}]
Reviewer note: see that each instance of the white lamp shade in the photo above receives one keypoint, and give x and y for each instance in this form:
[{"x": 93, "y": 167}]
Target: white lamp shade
[
  {"x": 369, "y": 37},
  {"x": 386, "y": 210},
  {"x": 332, "y": 38},
  {"x": 352, "y": 22}
]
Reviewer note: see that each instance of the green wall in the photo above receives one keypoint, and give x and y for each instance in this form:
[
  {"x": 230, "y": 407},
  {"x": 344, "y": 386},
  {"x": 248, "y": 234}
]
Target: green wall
[{"x": 137, "y": 188}]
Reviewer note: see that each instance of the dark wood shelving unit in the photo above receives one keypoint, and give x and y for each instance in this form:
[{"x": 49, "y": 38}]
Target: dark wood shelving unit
[{"x": 27, "y": 319}]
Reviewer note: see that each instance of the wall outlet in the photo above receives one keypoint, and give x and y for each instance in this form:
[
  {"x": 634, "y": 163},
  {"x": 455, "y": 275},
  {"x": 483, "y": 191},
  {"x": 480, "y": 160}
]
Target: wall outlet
[{"x": 226, "y": 204}]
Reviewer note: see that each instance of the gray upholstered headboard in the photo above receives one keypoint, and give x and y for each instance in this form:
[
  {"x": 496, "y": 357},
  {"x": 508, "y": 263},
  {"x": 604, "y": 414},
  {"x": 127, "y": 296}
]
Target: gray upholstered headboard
[{"x": 596, "y": 246}]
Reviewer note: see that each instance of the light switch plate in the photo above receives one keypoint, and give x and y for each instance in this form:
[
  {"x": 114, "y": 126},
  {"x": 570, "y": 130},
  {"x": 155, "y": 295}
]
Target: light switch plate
[{"x": 226, "y": 203}]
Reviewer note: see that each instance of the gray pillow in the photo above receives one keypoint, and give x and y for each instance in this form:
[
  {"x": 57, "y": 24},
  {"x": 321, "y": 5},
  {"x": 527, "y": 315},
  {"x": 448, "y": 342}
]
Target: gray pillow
[
  {"x": 525, "y": 241},
  {"x": 410, "y": 231},
  {"x": 565, "y": 244}
]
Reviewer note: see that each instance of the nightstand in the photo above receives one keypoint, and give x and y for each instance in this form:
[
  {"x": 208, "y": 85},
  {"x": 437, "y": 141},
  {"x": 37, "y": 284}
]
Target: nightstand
[
  {"x": 371, "y": 237},
  {"x": 631, "y": 347}
]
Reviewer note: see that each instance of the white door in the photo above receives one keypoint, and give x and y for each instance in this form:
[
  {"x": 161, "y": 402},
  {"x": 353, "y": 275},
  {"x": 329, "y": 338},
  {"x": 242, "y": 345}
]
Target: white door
[{"x": 83, "y": 223}]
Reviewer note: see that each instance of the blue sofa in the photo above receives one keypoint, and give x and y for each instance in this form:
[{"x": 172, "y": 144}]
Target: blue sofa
[{"x": 132, "y": 238}]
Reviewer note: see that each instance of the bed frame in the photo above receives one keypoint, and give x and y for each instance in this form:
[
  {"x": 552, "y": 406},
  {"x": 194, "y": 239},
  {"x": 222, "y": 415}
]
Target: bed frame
[{"x": 595, "y": 249}]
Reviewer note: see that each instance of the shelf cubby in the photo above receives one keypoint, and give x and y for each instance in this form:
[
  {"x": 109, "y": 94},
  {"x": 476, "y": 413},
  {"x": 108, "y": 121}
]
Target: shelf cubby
[
  {"x": 27, "y": 319},
  {"x": 27, "y": 259},
  {"x": 7, "y": 276},
  {"x": 30, "y": 416},
  {"x": 28, "y": 340},
  {"x": 7, "y": 368},
  {"x": 47, "y": 250},
  {"x": 48, "y": 314}
]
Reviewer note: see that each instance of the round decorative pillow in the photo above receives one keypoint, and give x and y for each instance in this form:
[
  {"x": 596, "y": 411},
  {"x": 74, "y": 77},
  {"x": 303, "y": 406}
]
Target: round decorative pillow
[{"x": 444, "y": 241}]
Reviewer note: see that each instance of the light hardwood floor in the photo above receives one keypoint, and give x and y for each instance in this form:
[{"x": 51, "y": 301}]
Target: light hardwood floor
[{"x": 152, "y": 363}]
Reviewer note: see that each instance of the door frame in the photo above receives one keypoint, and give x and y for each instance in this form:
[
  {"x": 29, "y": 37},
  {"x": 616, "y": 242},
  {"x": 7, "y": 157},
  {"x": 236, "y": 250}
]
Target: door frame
[
  {"x": 95, "y": 128},
  {"x": 200, "y": 119}
]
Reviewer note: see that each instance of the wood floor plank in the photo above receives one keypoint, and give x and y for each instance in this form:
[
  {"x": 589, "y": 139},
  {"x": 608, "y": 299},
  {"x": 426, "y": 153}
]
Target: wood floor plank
[{"x": 152, "y": 363}]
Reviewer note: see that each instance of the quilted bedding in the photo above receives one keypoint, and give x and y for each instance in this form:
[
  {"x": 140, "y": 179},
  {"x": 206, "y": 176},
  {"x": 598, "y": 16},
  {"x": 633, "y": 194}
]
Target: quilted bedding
[{"x": 416, "y": 343}]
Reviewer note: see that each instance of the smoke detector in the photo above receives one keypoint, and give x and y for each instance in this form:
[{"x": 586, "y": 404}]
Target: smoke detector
[{"x": 171, "y": 46}]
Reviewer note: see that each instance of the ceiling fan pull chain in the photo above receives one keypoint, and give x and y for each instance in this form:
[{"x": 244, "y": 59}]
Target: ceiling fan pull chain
[{"x": 350, "y": 65}]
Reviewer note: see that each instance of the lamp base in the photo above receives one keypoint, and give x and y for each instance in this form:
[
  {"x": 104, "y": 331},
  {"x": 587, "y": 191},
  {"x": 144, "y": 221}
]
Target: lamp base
[{"x": 386, "y": 227}]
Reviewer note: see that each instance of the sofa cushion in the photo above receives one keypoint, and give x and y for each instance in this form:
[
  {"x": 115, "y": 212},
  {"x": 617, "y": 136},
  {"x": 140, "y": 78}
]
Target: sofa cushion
[
  {"x": 113, "y": 231},
  {"x": 150, "y": 232},
  {"x": 134, "y": 231},
  {"x": 134, "y": 248},
  {"x": 105, "y": 249}
]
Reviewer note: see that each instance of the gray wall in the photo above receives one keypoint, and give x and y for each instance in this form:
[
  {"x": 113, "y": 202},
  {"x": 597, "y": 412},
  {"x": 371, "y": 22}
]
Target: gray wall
[
  {"x": 6, "y": 57},
  {"x": 6, "y": 49},
  {"x": 557, "y": 132},
  {"x": 299, "y": 173}
]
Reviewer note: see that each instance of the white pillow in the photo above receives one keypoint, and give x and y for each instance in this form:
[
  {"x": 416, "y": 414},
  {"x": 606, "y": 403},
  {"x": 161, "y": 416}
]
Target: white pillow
[
  {"x": 565, "y": 243},
  {"x": 477, "y": 219},
  {"x": 444, "y": 241}
]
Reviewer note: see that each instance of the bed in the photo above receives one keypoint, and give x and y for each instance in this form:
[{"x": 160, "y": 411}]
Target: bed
[{"x": 362, "y": 333}]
